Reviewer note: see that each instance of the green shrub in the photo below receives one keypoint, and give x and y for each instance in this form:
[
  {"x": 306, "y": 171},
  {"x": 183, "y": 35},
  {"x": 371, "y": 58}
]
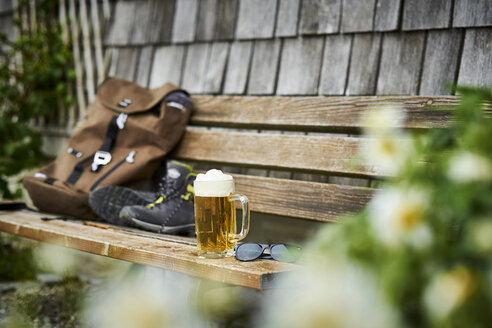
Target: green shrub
[
  {"x": 427, "y": 235},
  {"x": 35, "y": 74},
  {"x": 16, "y": 260}
]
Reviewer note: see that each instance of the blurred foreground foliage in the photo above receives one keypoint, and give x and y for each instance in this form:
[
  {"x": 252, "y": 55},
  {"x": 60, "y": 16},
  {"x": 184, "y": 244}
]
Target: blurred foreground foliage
[
  {"x": 35, "y": 75},
  {"x": 420, "y": 253},
  {"x": 16, "y": 259},
  {"x": 36, "y": 305}
]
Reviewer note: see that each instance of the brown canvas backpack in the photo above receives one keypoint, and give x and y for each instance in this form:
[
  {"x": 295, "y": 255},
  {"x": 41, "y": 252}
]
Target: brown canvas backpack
[{"x": 127, "y": 131}]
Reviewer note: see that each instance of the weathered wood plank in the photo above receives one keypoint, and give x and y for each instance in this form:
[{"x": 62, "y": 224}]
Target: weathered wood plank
[
  {"x": 357, "y": 16},
  {"x": 90, "y": 87},
  {"x": 299, "y": 152},
  {"x": 476, "y": 61},
  {"x": 387, "y": 15},
  {"x": 144, "y": 66},
  {"x": 166, "y": 65},
  {"x": 7, "y": 27},
  {"x": 140, "y": 33},
  {"x": 335, "y": 64},
  {"x": 121, "y": 27},
  {"x": 185, "y": 20},
  {"x": 162, "y": 20},
  {"x": 170, "y": 255},
  {"x": 96, "y": 17},
  {"x": 256, "y": 19},
  {"x": 320, "y": 16},
  {"x": 288, "y": 16},
  {"x": 310, "y": 177},
  {"x": 301, "y": 199},
  {"x": 472, "y": 13},
  {"x": 300, "y": 66},
  {"x": 440, "y": 61},
  {"x": 127, "y": 63},
  {"x": 6, "y": 6},
  {"x": 112, "y": 64},
  {"x": 313, "y": 113},
  {"x": 424, "y": 14},
  {"x": 207, "y": 17},
  {"x": 216, "y": 67},
  {"x": 264, "y": 67},
  {"x": 226, "y": 19},
  {"x": 196, "y": 67},
  {"x": 364, "y": 61},
  {"x": 400, "y": 63},
  {"x": 237, "y": 68}
]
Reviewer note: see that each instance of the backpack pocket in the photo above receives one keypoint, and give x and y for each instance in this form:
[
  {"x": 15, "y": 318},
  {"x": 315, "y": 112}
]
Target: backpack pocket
[{"x": 130, "y": 159}]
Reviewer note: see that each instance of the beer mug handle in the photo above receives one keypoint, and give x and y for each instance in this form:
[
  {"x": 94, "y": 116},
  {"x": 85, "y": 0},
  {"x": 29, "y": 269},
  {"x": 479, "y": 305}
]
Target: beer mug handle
[{"x": 245, "y": 216}]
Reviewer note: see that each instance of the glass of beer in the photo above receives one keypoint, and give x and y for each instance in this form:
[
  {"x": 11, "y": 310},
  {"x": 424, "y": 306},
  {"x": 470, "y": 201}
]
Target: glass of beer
[{"x": 215, "y": 214}]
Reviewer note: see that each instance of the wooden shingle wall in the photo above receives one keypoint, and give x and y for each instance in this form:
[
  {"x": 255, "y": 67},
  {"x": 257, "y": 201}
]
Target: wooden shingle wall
[{"x": 296, "y": 47}]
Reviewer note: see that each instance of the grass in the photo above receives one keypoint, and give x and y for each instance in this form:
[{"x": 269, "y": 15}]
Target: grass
[{"x": 16, "y": 259}]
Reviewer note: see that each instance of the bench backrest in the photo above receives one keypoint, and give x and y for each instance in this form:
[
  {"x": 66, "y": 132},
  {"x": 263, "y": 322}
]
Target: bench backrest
[{"x": 274, "y": 144}]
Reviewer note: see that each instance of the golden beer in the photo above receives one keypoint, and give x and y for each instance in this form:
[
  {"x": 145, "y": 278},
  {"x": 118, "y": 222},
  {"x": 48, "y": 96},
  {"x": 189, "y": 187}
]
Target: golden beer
[
  {"x": 215, "y": 214},
  {"x": 215, "y": 219}
]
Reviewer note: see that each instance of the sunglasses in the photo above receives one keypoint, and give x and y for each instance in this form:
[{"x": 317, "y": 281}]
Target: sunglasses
[{"x": 278, "y": 252}]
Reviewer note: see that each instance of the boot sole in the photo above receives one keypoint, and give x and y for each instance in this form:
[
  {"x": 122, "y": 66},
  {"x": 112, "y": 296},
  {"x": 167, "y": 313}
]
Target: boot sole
[
  {"x": 185, "y": 229},
  {"x": 108, "y": 203}
]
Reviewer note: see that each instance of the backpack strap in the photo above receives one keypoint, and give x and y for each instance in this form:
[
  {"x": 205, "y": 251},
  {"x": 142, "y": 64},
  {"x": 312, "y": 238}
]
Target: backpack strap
[
  {"x": 103, "y": 155},
  {"x": 12, "y": 206},
  {"x": 78, "y": 169}
]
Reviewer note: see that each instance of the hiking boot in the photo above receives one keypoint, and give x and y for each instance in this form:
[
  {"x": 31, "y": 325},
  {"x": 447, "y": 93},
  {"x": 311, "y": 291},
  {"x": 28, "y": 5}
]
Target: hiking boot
[
  {"x": 171, "y": 213},
  {"x": 108, "y": 201},
  {"x": 172, "y": 182}
]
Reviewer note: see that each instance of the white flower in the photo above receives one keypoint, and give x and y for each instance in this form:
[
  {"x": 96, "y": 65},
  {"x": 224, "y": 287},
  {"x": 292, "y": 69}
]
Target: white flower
[
  {"x": 447, "y": 291},
  {"x": 56, "y": 259},
  {"x": 383, "y": 120},
  {"x": 481, "y": 235},
  {"x": 396, "y": 217},
  {"x": 339, "y": 295},
  {"x": 150, "y": 298},
  {"x": 469, "y": 167},
  {"x": 386, "y": 155},
  {"x": 387, "y": 148}
]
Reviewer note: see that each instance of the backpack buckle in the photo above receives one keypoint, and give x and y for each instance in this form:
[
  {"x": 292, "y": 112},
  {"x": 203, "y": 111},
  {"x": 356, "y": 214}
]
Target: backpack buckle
[
  {"x": 100, "y": 158},
  {"x": 121, "y": 120}
]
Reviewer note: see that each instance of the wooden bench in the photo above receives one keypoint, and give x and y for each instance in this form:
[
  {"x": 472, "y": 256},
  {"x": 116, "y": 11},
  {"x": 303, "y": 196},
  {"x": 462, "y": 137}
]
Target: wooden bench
[{"x": 289, "y": 155}]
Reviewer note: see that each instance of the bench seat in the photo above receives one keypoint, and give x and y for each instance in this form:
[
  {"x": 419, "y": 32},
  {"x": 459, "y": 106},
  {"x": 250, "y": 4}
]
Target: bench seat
[{"x": 173, "y": 253}]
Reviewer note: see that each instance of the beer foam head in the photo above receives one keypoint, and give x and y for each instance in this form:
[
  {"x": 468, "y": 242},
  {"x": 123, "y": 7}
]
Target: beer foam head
[{"x": 214, "y": 183}]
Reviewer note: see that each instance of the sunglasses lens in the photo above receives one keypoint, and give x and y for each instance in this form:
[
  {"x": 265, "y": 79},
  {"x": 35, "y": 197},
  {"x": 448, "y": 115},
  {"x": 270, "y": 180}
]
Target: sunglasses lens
[
  {"x": 285, "y": 253},
  {"x": 248, "y": 252}
]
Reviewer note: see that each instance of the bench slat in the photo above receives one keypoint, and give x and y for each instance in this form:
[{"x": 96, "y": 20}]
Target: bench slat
[
  {"x": 301, "y": 199},
  {"x": 313, "y": 113},
  {"x": 116, "y": 243},
  {"x": 328, "y": 154}
]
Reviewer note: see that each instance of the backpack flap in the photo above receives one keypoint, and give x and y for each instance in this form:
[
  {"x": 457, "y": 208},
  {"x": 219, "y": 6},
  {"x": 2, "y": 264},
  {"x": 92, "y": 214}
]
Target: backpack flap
[{"x": 127, "y": 97}]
